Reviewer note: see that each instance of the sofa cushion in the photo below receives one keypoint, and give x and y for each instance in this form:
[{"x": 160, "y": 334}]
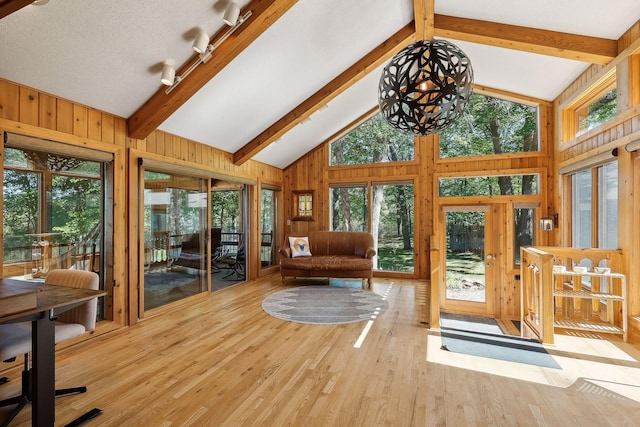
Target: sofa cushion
[
  {"x": 299, "y": 246},
  {"x": 328, "y": 262}
]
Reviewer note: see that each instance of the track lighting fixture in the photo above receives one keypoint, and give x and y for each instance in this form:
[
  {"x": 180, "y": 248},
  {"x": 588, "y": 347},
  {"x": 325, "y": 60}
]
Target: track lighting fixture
[
  {"x": 40, "y": 2},
  {"x": 202, "y": 47},
  {"x": 201, "y": 42},
  {"x": 231, "y": 14},
  {"x": 168, "y": 74}
]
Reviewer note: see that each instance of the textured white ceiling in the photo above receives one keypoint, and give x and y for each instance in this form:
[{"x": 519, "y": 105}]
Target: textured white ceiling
[{"x": 107, "y": 54}]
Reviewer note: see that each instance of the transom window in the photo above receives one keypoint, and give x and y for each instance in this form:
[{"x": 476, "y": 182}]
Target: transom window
[{"x": 492, "y": 185}]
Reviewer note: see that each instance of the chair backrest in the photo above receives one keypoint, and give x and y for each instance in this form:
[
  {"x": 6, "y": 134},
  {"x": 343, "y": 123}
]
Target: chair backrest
[{"x": 84, "y": 314}]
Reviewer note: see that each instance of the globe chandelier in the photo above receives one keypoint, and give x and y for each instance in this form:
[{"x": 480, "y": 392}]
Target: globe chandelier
[{"x": 426, "y": 86}]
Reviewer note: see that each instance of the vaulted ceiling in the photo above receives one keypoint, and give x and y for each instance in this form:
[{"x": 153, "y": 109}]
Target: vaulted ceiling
[{"x": 296, "y": 72}]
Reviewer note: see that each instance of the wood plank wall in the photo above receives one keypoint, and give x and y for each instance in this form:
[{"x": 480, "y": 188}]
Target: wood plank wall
[
  {"x": 312, "y": 172},
  {"x": 616, "y": 133},
  {"x": 37, "y": 113}
]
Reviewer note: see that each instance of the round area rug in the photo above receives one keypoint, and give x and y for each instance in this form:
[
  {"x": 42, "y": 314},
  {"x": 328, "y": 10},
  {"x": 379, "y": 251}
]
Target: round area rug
[{"x": 324, "y": 305}]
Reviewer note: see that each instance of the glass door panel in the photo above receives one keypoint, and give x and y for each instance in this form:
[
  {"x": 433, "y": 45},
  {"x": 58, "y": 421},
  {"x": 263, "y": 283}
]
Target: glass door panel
[
  {"x": 468, "y": 262},
  {"x": 268, "y": 221},
  {"x": 228, "y": 215},
  {"x": 175, "y": 218}
]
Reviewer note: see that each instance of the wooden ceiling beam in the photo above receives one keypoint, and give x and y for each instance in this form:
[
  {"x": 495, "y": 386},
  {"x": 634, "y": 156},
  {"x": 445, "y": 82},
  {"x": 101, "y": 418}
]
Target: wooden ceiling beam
[
  {"x": 7, "y": 7},
  {"x": 331, "y": 90},
  {"x": 423, "y": 15},
  {"x": 161, "y": 105},
  {"x": 563, "y": 45}
]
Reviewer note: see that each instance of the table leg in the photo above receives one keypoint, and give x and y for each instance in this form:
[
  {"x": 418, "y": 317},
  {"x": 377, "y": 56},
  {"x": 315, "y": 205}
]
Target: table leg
[{"x": 43, "y": 379}]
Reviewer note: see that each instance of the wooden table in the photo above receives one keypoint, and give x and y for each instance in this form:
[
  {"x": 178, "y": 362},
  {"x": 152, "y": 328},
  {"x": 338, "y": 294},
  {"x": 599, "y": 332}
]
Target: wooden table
[{"x": 51, "y": 301}]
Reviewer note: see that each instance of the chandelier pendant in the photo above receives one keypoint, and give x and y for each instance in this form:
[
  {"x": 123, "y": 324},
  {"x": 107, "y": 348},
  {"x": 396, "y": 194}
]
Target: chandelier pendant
[{"x": 425, "y": 87}]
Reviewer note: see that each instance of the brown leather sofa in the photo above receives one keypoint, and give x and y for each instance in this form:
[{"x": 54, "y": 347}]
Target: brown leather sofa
[{"x": 338, "y": 254}]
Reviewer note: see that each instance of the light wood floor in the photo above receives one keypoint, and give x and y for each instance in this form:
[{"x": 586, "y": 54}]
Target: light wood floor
[{"x": 224, "y": 362}]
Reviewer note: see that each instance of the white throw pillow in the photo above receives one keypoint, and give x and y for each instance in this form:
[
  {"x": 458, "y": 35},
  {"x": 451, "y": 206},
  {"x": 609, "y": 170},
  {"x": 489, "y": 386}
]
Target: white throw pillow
[{"x": 299, "y": 246}]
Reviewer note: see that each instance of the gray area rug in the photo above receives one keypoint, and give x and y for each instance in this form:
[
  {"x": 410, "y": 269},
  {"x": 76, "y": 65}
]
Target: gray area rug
[{"x": 324, "y": 305}]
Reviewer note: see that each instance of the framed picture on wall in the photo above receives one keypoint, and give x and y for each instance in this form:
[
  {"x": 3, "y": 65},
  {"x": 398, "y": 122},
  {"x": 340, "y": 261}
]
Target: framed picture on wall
[{"x": 302, "y": 205}]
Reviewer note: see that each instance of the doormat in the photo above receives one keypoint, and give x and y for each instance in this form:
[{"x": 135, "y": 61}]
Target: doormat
[
  {"x": 512, "y": 349},
  {"x": 465, "y": 322},
  {"x": 328, "y": 305}
]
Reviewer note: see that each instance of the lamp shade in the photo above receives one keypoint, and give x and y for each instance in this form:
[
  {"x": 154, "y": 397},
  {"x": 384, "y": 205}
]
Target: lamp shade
[
  {"x": 425, "y": 87},
  {"x": 201, "y": 42},
  {"x": 231, "y": 14},
  {"x": 168, "y": 75}
]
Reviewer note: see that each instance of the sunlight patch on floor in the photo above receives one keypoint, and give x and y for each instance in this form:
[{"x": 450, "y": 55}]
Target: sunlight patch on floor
[{"x": 367, "y": 327}]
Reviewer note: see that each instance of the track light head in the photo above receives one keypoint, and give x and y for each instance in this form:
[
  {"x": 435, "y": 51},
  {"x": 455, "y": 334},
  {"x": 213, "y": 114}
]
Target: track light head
[
  {"x": 201, "y": 42},
  {"x": 40, "y": 2},
  {"x": 168, "y": 74},
  {"x": 231, "y": 14}
]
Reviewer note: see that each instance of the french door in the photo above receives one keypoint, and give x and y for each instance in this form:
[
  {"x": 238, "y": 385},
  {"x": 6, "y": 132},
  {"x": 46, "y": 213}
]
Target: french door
[{"x": 469, "y": 260}]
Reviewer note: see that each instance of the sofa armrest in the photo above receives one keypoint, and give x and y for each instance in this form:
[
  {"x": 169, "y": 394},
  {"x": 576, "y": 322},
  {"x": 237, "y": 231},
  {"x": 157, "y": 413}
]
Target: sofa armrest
[
  {"x": 285, "y": 251},
  {"x": 370, "y": 252}
]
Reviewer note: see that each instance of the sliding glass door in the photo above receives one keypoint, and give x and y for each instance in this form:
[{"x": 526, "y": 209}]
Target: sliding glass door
[{"x": 175, "y": 244}]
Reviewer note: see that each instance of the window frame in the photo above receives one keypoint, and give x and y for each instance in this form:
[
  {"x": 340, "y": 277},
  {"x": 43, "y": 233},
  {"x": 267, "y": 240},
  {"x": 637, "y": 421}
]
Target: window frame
[{"x": 569, "y": 112}]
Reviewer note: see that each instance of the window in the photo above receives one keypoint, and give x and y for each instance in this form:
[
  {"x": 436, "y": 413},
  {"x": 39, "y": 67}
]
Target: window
[
  {"x": 349, "y": 208},
  {"x": 597, "y": 111},
  {"x": 391, "y": 215},
  {"x": 595, "y": 106},
  {"x": 581, "y": 204},
  {"x": 268, "y": 221},
  {"x": 392, "y": 226},
  {"x": 524, "y": 230},
  {"x": 608, "y": 206},
  {"x": 587, "y": 232},
  {"x": 491, "y": 126},
  {"x": 493, "y": 185},
  {"x": 374, "y": 141},
  {"x": 54, "y": 211}
]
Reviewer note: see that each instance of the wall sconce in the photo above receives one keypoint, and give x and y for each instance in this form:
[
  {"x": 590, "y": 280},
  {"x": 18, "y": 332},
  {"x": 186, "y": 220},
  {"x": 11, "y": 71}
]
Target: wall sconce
[
  {"x": 548, "y": 223},
  {"x": 202, "y": 47}
]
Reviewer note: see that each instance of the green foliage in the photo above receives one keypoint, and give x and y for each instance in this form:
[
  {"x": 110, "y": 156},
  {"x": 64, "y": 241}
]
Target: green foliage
[
  {"x": 44, "y": 193},
  {"x": 225, "y": 210},
  {"x": 491, "y": 126},
  {"x": 374, "y": 141},
  {"x": 600, "y": 111},
  {"x": 488, "y": 185}
]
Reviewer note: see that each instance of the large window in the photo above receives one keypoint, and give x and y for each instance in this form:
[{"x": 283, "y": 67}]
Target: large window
[
  {"x": 491, "y": 126},
  {"x": 374, "y": 141},
  {"x": 390, "y": 213},
  {"x": 349, "y": 208},
  {"x": 54, "y": 212}
]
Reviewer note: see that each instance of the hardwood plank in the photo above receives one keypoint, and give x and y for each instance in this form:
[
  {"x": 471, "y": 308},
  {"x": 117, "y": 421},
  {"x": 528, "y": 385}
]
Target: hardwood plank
[
  {"x": 224, "y": 362},
  {"x": 7, "y": 7},
  {"x": 564, "y": 45}
]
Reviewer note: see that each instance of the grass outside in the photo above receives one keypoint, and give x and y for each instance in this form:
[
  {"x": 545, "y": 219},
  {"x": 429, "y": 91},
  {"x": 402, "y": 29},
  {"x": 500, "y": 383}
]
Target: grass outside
[
  {"x": 464, "y": 267},
  {"x": 392, "y": 256}
]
